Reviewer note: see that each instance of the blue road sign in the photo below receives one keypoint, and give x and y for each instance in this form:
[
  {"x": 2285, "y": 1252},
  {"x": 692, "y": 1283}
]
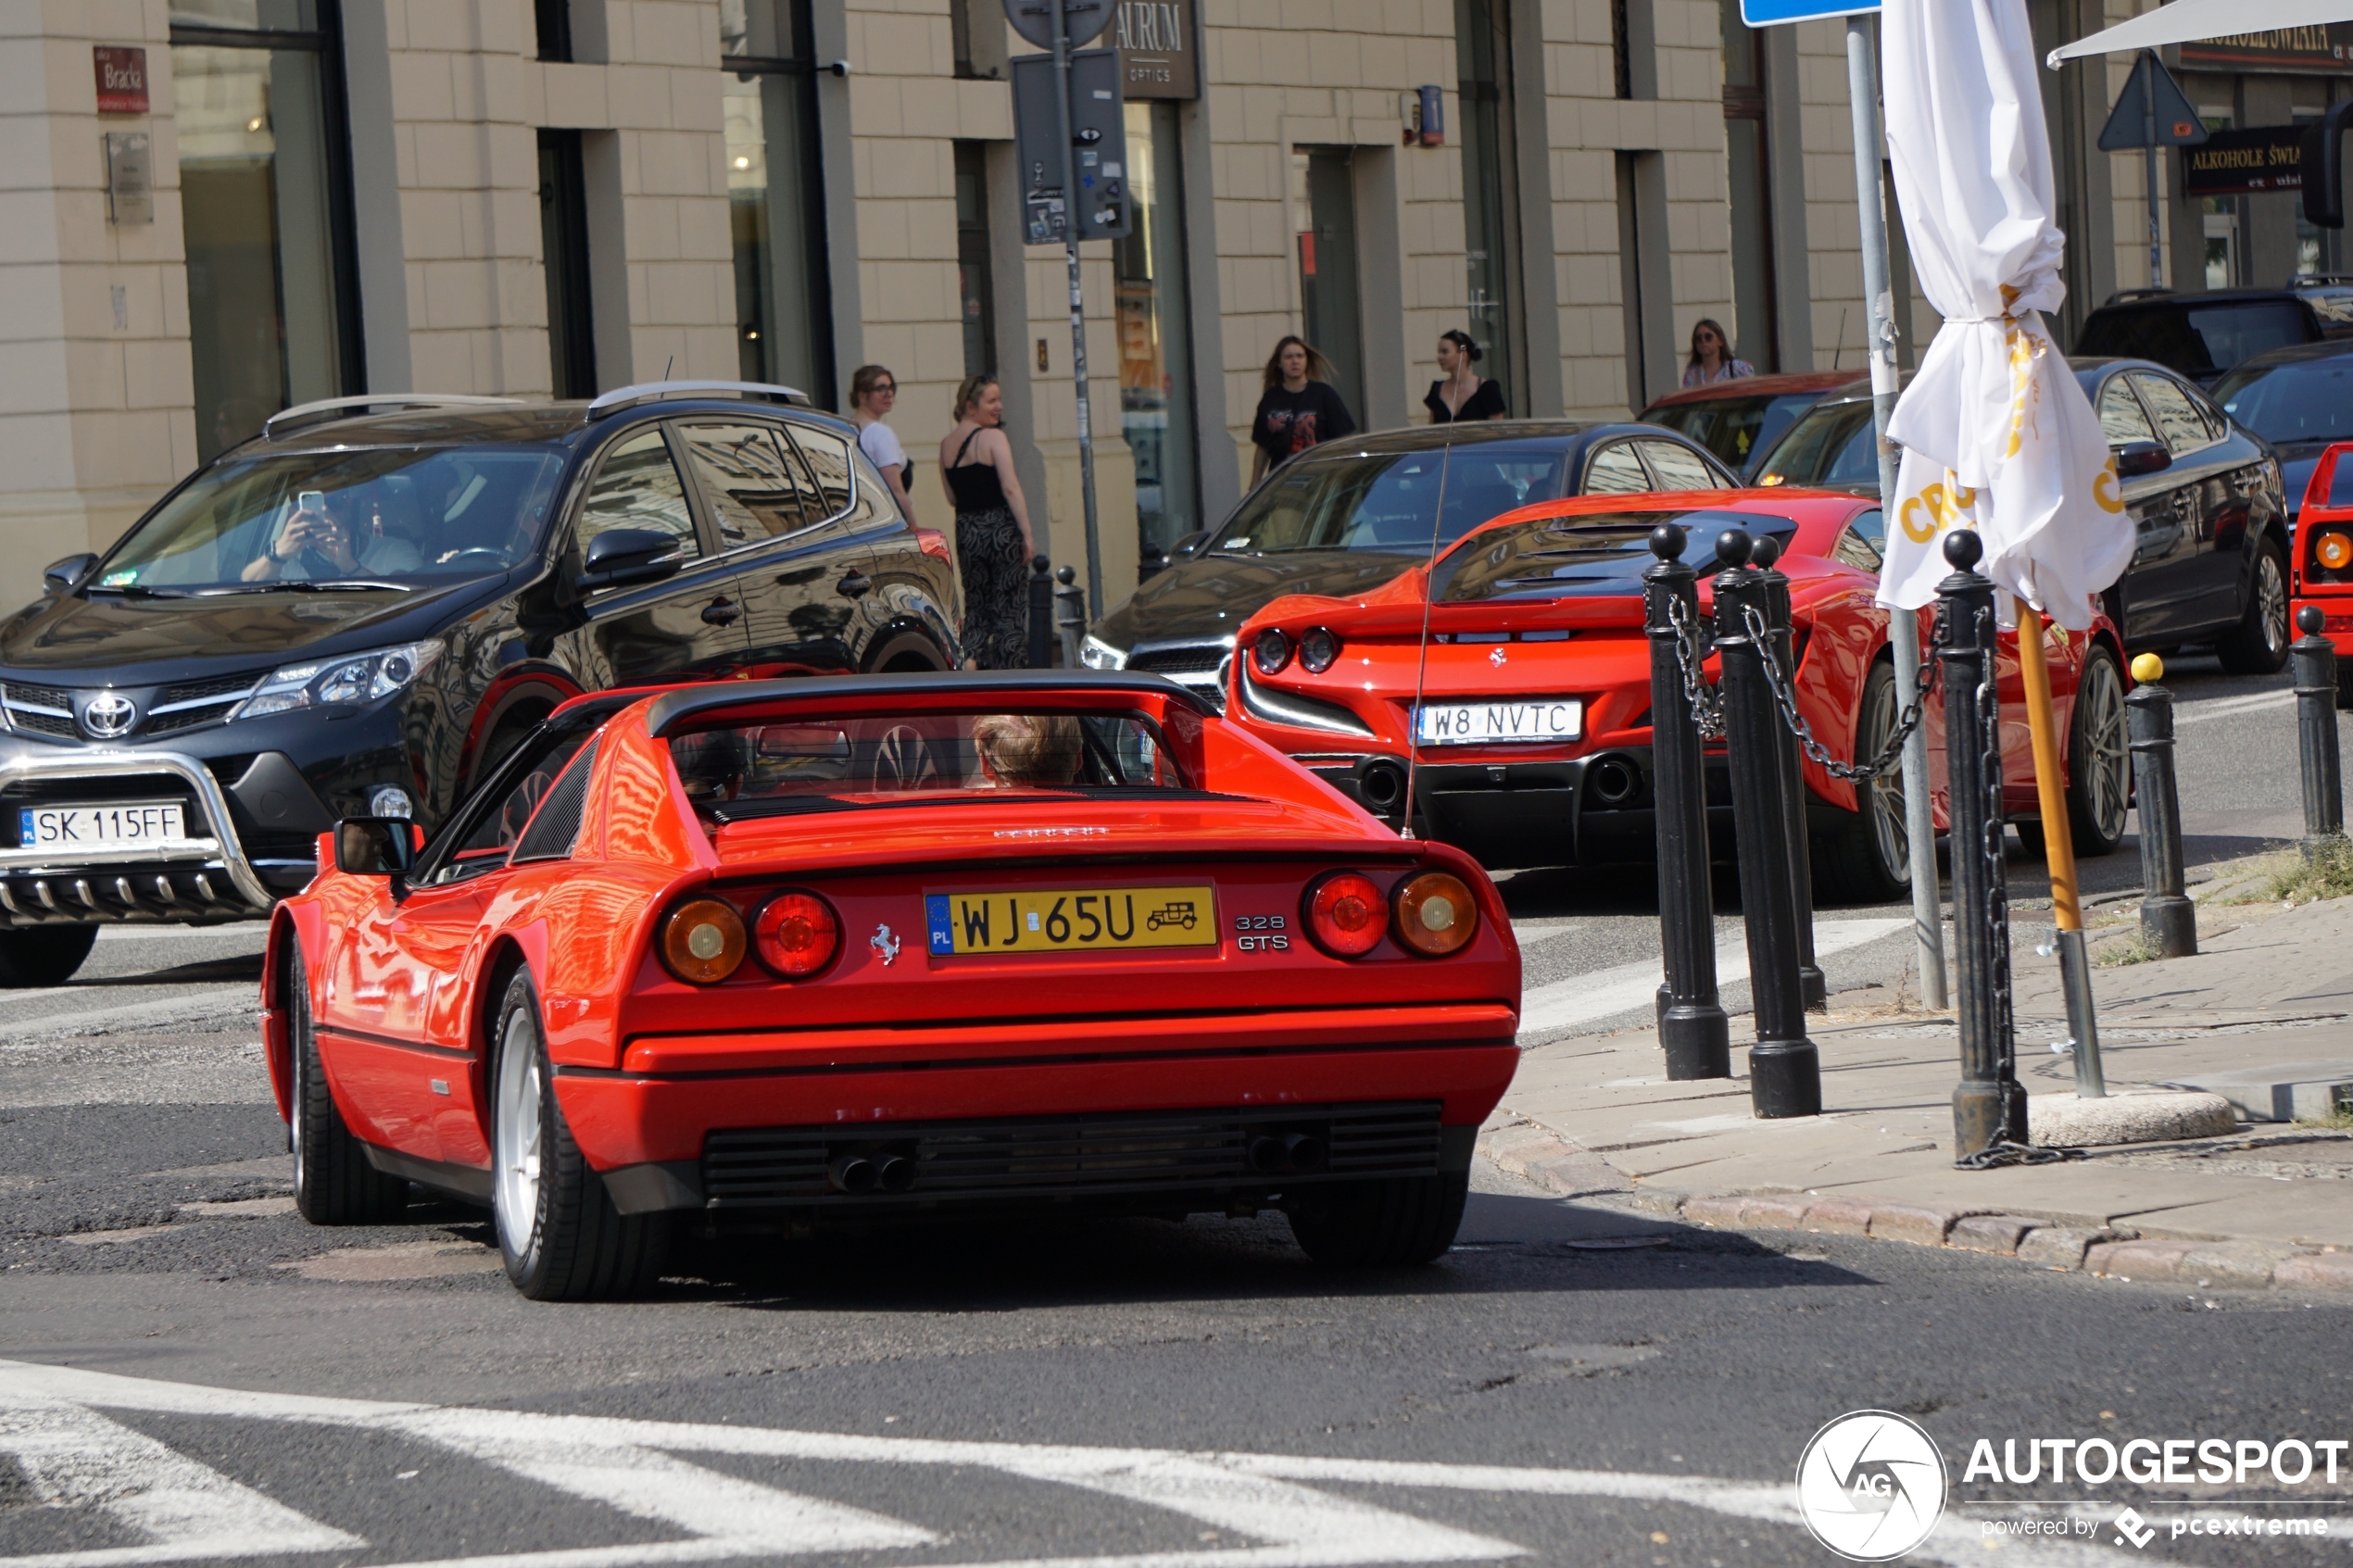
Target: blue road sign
[{"x": 1766, "y": 13}]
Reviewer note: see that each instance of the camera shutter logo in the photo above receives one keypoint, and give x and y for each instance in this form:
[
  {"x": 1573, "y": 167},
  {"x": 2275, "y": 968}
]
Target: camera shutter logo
[
  {"x": 109, "y": 715},
  {"x": 1871, "y": 1486}
]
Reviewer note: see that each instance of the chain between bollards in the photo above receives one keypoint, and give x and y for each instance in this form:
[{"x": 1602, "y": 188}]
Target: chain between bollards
[
  {"x": 2169, "y": 921},
  {"x": 1781, "y": 650},
  {"x": 1784, "y": 1069},
  {"x": 2315, "y": 658},
  {"x": 1989, "y": 1106},
  {"x": 1691, "y": 1026},
  {"x": 1041, "y": 613}
]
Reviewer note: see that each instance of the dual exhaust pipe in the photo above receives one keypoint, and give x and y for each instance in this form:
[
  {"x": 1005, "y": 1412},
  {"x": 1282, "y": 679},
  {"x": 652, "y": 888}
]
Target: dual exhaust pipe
[
  {"x": 1277, "y": 1154},
  {"x": 885, "y": 1171}
]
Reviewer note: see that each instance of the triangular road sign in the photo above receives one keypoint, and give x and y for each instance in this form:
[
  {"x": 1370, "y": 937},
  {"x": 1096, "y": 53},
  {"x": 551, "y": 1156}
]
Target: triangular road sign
[{"x": 2177, "y": 123}]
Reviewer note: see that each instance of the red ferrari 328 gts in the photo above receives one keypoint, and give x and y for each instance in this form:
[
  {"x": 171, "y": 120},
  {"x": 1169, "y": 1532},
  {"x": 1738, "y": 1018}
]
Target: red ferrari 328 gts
[
  {"x": 1533, "y": 746},
  {"x": 793, "y": 954}
]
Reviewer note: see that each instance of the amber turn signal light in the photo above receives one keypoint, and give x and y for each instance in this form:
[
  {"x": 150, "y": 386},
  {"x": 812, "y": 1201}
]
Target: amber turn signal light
[
  {"x": 1436, "y": 914},
  {"x": 1345, "y": 914},
  {"x": 2333, "y": 551},
  {"x": 797, "y": 935},
  {"x": 702, "y": 941}
]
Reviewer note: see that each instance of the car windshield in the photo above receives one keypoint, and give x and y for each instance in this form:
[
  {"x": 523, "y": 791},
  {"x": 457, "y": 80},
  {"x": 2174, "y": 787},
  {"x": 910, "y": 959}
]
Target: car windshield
[
  {"x": 2195, "y": 340},
  {"x": 1735, "y": 429},
  {"x": 1597, "y": 554},
  {"x": 395, "y": 517},
  {"x": 1389, "y": 500},
  {"x": 779, "y": 768},
  {"x": 2300, "y": 400},
  {"x": 1832, "y": 444}
]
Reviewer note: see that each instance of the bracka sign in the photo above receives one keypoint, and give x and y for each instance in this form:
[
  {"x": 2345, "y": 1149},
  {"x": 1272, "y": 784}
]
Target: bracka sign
[{"x": 121, "y": 78}]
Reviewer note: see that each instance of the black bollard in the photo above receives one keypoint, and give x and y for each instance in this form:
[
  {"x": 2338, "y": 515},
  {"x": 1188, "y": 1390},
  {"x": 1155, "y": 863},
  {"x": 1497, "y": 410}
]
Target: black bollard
[
  {"x": 1810, "y": 979},
  {"x": 1070, "y": 614},
  {"x": 2316, "y": 725},
  {"x": 1990, "y": 1106},
  {"x": 1691, "y": 1026},
  {"x": 2169, "y": 921},
  {"x": 1784, "y": 1070},
  {"x": 1041, "y": 613}
]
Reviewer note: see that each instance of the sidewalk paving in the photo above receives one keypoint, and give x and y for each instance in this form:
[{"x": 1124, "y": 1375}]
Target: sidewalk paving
[{"x": 2268, "y": 1000}]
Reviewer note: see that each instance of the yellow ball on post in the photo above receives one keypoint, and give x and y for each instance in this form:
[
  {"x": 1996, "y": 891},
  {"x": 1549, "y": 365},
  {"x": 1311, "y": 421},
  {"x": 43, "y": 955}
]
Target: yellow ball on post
[{"x": 2147, "y": 667}]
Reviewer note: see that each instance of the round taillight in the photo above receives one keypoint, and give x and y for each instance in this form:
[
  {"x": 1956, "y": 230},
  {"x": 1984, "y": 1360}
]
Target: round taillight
[
  {"x": 1318, "y": 650},
  {"x": 1346, "y": 914},
  {"x": 703, "y": 942},
  {"x": 1436, "y": 914},
  {"x": 797, "y": 935},
  {"x": 2335, "y": 550},
  {"x": 1271, "y": 652}
]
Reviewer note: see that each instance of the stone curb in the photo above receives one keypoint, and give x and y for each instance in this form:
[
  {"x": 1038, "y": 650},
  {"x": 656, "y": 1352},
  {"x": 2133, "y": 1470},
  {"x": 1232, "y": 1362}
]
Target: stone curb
[{"x": 2063, "y": 1243}]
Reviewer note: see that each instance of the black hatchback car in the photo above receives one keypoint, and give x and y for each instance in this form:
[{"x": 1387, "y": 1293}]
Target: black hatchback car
[
  {"x": 1351, "y": 514},
  {"x": 2210, "y": 524},
  {"x": 359, "y": 611}
]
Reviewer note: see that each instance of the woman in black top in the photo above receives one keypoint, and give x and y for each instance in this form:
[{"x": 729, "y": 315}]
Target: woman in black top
[
  {"x": 1299, "y": 409},
  {"x": 1461, "y": 392},
  {"x": 992, "y": 528}
]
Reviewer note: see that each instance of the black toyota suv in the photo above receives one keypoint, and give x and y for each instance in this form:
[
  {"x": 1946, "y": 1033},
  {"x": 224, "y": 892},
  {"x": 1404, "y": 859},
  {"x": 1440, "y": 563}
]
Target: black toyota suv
[
  {"x": 356, "y": 612},
  {"x": 2203, "y": 334}
]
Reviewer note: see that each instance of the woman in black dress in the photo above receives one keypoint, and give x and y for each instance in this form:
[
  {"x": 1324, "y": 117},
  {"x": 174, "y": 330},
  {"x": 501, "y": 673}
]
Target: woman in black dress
[
  {"x": 992, "y": 528},
  {"x": 1461, "y": 393}
]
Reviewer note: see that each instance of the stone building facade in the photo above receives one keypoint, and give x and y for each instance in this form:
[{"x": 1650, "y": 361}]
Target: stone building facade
[{"x": 537, "y": 197}]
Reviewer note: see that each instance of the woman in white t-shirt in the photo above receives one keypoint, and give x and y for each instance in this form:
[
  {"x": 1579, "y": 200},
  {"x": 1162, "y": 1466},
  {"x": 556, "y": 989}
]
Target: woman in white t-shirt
[{"x": 873, "y": 392}]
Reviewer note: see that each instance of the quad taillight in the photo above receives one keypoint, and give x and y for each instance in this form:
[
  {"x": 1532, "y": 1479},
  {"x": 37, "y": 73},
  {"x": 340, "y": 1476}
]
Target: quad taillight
[
  {"x": 794, "y": 934},
  {"x": 1431, "y": 915}
]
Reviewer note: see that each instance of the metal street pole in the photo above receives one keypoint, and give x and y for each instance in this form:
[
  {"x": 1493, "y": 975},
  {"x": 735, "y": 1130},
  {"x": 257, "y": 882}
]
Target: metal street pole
[
  {"x": 1903, "y": 626},
  {"x": 2149, "y": 142},
  {"x": 1078, "y": 303}
]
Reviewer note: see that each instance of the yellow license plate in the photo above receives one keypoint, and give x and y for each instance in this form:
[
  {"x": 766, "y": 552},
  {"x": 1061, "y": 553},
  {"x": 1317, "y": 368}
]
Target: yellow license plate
[{"x": 1066, "y": 919}]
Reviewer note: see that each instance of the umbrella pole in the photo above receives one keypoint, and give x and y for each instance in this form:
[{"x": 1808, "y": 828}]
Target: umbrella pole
[{"x": 2059, "y": 846}]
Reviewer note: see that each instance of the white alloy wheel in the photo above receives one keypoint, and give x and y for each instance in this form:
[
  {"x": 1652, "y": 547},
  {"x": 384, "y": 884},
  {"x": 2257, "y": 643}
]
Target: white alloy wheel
[{"x": 515, "y": 1193}]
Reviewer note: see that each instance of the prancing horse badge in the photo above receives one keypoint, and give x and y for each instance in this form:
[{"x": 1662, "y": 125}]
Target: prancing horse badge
[{"x": 884, "y": 945}]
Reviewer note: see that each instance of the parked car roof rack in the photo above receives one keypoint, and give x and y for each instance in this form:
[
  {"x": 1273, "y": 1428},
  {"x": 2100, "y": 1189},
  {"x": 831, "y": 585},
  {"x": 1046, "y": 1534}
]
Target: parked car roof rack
[
  {"x": 2122, "y": 295},
  {"x": 655, "y": 391},
  {"x": 328, "y": 408},
  {"x": 2321, "y": 278}
]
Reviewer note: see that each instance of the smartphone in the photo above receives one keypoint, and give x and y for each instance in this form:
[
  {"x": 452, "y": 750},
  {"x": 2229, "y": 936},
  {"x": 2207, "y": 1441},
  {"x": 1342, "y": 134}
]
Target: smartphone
[{"x": 311, "y": 501}]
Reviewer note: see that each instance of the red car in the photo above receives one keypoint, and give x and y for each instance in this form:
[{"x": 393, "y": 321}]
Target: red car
[
  {"x": 2323, "y": 569},
  {"x": 796, "y": 954},
  {"x": 1534, "y": 743}
]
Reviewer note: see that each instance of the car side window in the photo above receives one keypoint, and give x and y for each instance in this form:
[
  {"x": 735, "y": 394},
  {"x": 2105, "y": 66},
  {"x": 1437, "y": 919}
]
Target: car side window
[
  {"x": 1615, "y": 470},
  {"x": 2122, "y": 419},
  {"x": 2184, "y": 428},
  {"x": 754, "y": 489},
  {"x": 1677, "y": 467},
  {"x": 490, "y": 826},
  {"x": 829, "y": 458},
  {"x": 1862, "y": 543},
  {"x": 638, "y": 486}
]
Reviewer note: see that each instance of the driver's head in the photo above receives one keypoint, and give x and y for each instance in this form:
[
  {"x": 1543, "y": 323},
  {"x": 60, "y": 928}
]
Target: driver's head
[{"x": 1029, "y": 748}]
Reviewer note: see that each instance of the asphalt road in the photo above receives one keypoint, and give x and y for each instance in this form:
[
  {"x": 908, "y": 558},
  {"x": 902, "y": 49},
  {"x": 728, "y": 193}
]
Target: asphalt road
[{"x": 188, "y": 1372}]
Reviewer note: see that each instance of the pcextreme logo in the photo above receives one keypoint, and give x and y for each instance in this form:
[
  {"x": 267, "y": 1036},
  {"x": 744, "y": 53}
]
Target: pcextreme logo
[{"x": 1871, "y": 1486}]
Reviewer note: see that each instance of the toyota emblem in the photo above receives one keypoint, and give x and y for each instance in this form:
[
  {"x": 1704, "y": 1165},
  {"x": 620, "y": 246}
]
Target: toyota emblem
[{"x": 109, "y": 714}]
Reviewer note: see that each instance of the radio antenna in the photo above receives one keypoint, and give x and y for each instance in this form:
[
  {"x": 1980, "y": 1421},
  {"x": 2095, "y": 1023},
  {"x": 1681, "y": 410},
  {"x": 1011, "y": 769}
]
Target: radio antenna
[{"x": 1421, "y": 662}]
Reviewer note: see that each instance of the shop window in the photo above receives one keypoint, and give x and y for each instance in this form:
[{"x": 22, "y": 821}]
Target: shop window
[
  {"x": 975, "y": 280},
  {"x": 784, "y": 295},
  {"x": 1491, "y": 188},
  {"x": 1324, "y": 186},
  {"x": 1755, "y": 311},
  {"x": 266, "y": 214},
  {"x": 1156, "y": 400}
]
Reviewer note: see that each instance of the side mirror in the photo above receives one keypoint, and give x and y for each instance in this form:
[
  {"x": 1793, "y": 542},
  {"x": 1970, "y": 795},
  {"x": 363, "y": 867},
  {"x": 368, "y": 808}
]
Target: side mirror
[
  {"x": 1185, "y": 548},
  {"x": 619, "y": 556},
  {"x": 63, "y": 576},
  {"x": 2136, "y": 457},
  {"x": 375, "y": 846}
]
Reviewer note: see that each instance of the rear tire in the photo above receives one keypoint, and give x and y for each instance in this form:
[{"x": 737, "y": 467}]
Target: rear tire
[
  {"x": 334, "y": 1184},
  {"x": 2257, "y": 645},
  {"x": 1368, "y": 1224},
  {"x": 558, "y": 1229},
  {"x": 43, "y": 955},
  {"x": 1868, "y": 860},
  {"x": 2099, "y": 757}
]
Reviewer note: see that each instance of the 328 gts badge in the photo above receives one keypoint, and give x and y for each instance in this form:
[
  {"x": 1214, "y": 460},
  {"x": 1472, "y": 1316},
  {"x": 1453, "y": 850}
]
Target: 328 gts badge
[{"x": 1266, "y": 934}]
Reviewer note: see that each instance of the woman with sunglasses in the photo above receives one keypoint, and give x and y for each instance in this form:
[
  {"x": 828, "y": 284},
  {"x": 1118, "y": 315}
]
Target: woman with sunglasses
[
  {"x": 1712, "y": 357},
  {"x": 874, "y": 392}
]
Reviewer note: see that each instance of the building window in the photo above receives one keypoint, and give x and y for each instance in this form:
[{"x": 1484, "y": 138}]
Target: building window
[
  {"x": 1754, "y": 304},
  {"x": 1490, "y": 187},
  {"x": 977, "y": 28},
  {"x": 552, "y": 21},
  {"x": 563, "y": 248},
  {"x": 1324, "y": 186},
  {"x": 975, "y": 281},
  {"x": 266, "y": 210},
  {"x": 1155, "y": 335},
  {"x": 775, "y": 196}
]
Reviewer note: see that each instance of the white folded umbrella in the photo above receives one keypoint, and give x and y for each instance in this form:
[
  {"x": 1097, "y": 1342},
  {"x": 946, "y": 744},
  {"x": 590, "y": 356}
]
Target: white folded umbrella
[{"x": 2186, "y": 21}]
